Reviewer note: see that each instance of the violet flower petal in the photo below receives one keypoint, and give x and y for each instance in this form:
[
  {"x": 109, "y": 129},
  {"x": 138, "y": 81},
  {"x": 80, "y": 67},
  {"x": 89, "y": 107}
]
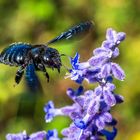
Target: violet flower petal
[
  {"x": 119, "y": 98},
  {"x": 94, "y": 106},
  {"x": 98, "y": 90},
  {"x": 100, "y": 123},
  {"x": 98, "y": 60},
  {"x": 109, "y": 86},
  {"x": 109, "y": 98},
  {"x": 107, "y": 44},
  {"x": 107, "y": 116},
  {"x": 111, "y": 34},
  {"x": 41, "y": 135},
  {"x": 75, "y": 60},
  {"x": 115, "y": 52},
  {"x": 106, "y": 70},
  {"x": 117, "y": 72},
  {"x": 99, "y": 51},
  {"x": 80, "y": 123},
  {"x": 121, "y": 36}
]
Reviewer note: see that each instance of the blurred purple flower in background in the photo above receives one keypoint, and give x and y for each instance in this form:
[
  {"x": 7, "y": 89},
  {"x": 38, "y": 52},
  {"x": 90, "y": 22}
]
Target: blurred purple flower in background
[
  {"x": 18, "y": 136},
  {"x": 41, "y": 135},
  {"x": 91, "y": 111}
]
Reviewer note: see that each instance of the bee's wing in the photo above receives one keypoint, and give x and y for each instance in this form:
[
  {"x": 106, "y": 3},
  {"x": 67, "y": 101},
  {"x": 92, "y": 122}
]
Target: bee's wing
[
  {"x": 73, "y": 32},
  {"x": 32, "y": 80}
]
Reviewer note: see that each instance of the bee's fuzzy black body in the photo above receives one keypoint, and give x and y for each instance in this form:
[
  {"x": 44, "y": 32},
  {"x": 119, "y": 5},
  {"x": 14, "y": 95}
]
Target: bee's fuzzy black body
[{"x": 38, "y": 57}]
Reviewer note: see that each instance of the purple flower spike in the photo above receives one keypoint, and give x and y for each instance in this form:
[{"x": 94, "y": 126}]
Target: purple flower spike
[{"x": 91, "y": 111}]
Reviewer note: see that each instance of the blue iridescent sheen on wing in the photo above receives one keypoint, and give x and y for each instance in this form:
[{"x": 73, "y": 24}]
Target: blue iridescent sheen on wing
[
  {"x": 73, "y": 32},
  {"x": 31, "y": 78}
]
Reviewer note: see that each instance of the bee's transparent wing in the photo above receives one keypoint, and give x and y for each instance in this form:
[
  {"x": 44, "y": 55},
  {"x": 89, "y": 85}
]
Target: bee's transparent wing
[
  {"x": 75, "y": 31},
  {"x": 32, "y": 80}
]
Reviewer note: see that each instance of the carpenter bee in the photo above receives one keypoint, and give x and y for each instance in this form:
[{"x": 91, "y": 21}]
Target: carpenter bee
[{"x": 31, "y": 57}]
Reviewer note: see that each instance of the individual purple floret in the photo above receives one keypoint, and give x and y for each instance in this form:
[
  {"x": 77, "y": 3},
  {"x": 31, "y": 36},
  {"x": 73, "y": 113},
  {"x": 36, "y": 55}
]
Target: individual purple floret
[
  {"x": 52, "y": 135},
  {"x": 91, "y": 111},
  {"x": 75, "y": 73},
  {"x": 51, "y": 112}
]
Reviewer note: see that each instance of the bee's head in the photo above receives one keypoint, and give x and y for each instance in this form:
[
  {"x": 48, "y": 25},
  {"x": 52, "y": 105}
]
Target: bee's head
[{"x": 51, "y": 58}]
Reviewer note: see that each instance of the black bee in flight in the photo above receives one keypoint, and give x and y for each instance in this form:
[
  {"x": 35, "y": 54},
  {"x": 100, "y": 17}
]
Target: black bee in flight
[{"x": 38, "y": 57}]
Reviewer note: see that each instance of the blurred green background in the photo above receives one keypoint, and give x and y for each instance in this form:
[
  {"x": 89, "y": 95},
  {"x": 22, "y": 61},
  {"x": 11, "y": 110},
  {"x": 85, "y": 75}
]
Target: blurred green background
[{"x": 38, "y": 21}]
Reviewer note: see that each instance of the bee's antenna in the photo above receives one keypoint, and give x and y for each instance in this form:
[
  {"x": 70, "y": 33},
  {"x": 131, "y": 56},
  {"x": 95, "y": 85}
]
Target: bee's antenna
[{"x": 65, "y": 55}]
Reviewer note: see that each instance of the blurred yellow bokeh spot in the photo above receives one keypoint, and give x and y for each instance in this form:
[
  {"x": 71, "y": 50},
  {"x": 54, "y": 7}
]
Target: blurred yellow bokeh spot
[{"x": 135, "y": 136}]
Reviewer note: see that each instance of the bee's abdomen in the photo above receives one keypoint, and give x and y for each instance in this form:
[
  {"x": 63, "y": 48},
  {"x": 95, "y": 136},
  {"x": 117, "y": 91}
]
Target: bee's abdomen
[{"x": 15, "y": 54}]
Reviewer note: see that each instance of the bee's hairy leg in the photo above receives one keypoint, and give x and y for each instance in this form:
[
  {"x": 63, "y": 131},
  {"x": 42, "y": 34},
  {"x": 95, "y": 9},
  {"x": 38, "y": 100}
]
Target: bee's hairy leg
[
  {"x": 42, "y": 68},
  {"x": 47, "y": 76},
  {"x": 19, "y": 74}
]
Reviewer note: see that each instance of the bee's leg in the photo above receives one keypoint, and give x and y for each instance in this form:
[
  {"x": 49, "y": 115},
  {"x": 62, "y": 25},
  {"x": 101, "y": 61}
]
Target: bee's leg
[
  {"x": 19, "y": 74},
  {"x": 42, "y": 68},
  {"x": 47, "y": 75},
  {"x": 58, "y": 69}
]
